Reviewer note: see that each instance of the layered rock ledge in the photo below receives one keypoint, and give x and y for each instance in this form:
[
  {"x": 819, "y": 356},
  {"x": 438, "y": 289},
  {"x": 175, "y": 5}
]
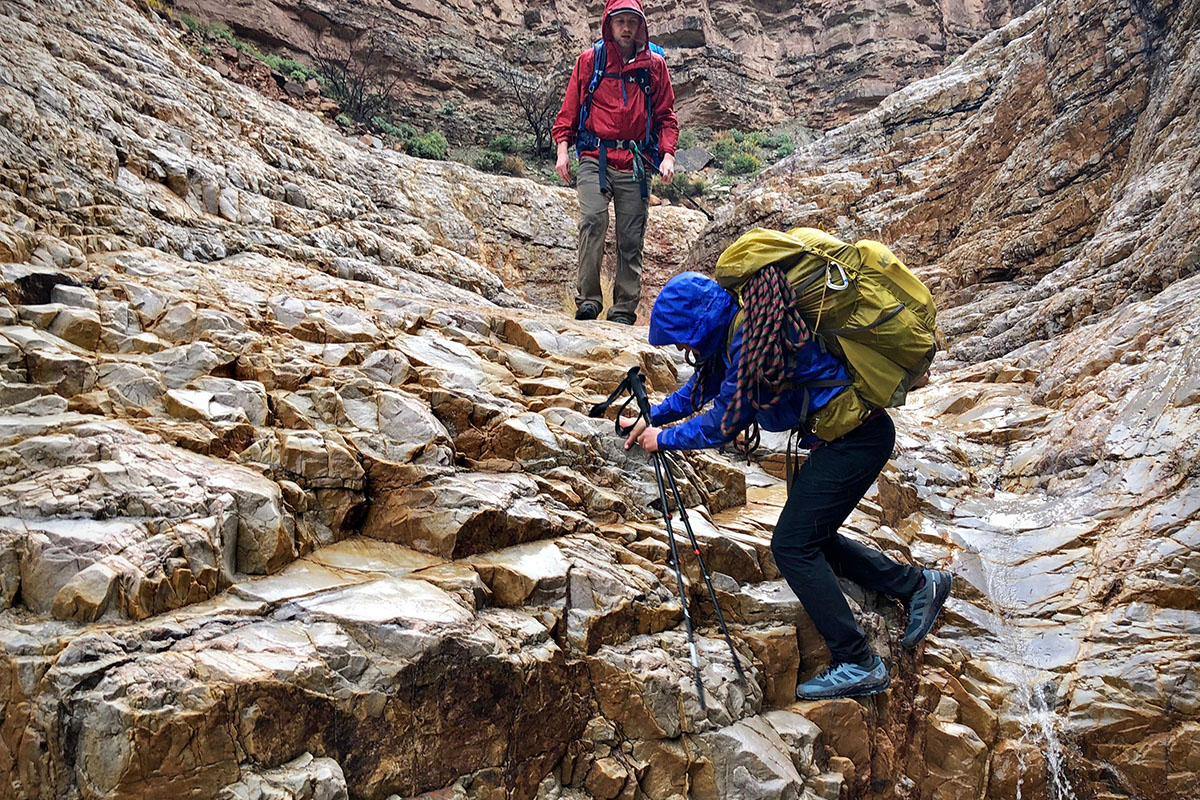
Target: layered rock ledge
[{"x": 301, "y": 499}]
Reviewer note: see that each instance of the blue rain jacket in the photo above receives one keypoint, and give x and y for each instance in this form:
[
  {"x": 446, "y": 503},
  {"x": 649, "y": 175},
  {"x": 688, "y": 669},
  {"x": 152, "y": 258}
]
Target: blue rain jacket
[{"x": 693, "y": 310}]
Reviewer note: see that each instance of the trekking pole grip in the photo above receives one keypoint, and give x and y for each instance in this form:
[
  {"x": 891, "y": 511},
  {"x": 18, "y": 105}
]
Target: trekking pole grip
[
  {"x": 637, "y": 387},
  {"x": 632, "y": 383}
]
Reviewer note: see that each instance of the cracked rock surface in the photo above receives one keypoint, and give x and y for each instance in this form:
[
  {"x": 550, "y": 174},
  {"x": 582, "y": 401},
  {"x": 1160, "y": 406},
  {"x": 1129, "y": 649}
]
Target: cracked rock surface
[{"x": 300, "y": 498}]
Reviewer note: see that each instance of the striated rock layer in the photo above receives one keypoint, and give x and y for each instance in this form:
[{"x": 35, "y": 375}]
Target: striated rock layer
[
  {"x": 301, "y": 499},
  {"x": 734, "y": 63},
  {"x": 299, "y": 493},
  {"x": 1045, "y": 186}
]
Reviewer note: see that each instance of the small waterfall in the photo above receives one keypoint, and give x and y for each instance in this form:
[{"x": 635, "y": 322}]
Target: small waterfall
[{"x": 1000, "y": 544}]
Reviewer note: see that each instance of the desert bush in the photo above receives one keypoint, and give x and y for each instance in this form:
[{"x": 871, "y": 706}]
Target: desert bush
[
  {"x": 513, "y": 165},
  {"x": 431, "y": 145},
  {"x": 538, "y": 97},
  {"x": 742, "y": 163},
  {"x": 403, "y": 131},
  {"x": 722, "y": 149},
  {"x": 221, "y": 33},
  {"x": 504, "y": 143},
  {"x": 488, "y": 161},
  {"x": 682, "y": 185},
  {"x": 358, "y": 75}
]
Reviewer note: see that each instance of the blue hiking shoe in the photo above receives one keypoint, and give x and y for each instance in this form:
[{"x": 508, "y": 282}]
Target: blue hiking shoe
[
  {"x": 925, "y": 604},
  {"x": 846, "y": 680}
]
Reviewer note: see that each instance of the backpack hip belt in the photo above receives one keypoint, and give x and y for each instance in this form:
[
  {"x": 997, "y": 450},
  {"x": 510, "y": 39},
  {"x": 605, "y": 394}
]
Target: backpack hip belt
[{"x": 588, "y": 141}]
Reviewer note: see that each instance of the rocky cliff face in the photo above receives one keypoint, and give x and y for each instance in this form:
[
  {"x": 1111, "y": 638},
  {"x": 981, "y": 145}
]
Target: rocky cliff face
[
  {"x": 301, "y": 500},
  {"x": 1046, "y": 186},
  {"x": 733, "y": 63}
]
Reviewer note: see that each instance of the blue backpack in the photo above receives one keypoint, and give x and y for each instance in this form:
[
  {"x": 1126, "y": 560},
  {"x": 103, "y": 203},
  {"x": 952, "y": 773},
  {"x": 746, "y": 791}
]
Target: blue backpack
[{"x": 647, "y": 147}]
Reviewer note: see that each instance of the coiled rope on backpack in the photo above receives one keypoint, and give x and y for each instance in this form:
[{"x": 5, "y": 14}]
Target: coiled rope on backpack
[{"x": 772, "y": 330}]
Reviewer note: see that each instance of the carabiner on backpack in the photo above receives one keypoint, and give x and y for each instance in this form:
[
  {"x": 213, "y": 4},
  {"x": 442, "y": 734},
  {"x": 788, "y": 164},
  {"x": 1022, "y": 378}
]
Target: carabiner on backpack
[{"x": 829, "y": 279}]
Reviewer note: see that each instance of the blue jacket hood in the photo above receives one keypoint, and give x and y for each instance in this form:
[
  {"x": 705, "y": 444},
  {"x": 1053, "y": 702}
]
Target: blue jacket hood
[{"x": 693, "y": 310}]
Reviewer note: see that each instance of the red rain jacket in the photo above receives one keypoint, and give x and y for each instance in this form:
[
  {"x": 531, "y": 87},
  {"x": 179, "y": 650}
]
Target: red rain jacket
[{"x": 614, "y": 116}]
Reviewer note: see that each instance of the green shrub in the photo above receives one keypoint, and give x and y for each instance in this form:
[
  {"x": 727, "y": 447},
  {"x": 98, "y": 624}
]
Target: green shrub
[
  {"x": 722, "y": 149},
  {"x": 776, "y": 141},
  {"x": 504, "y": 143},
  {"x": 513, "y": 165},
  {"x": 448, "y": 109},
  {"x": 680, "y": 186},
  {"x": 489, "y": 161},
  {"x": 343, "y": 120},
  {"x": 220, "y": 32},
  {"x": 742, "y": 164},
  {"x": 193, "y": 25},
  {"x": 403, "y": 131},
  {"x": 737, "y": 135},
  {"x": 429, "y": 145},
  {"x": 757, "y": 138},
  {"x": 526, "y": 143},
  {"x": 687, "y": 138},
  {"x": 208, "y": 51},
  {"x": 284, "y": 65}
]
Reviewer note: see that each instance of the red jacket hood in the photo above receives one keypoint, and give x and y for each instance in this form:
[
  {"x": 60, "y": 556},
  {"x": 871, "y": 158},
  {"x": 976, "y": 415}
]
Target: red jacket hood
[{"x": 643, "y": 35}]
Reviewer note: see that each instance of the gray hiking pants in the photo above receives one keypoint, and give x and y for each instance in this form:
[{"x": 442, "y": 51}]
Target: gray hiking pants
[{"x": 630, "y": 210}]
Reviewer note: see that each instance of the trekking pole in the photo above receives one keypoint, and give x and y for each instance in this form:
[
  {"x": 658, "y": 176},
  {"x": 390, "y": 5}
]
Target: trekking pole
[
  {"x": 712, "y": 594},
  {"x": 638, "y": 387},
  {"x": 633, "y": 379},
  {"x": 687, "y": 616},
  {"x": 634, "y": 383},
  {"x": 654, "y": 168}
]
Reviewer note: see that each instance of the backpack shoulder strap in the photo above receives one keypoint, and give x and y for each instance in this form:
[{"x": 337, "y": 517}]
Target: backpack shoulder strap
[{"x": 599, "y": 63}]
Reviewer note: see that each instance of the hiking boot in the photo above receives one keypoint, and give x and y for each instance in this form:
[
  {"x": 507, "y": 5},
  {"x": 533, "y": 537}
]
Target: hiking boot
[
  {"x": 846, "y": 680},
  {"x": 622, "y": 317},
  {"x": 587, "y": 310},
  {"x": 924, "y": 605}
]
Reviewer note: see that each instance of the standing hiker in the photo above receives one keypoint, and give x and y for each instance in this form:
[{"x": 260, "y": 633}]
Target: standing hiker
[
  {"x": 619, "y": 112},
  {"x": 773, "y": 372}
]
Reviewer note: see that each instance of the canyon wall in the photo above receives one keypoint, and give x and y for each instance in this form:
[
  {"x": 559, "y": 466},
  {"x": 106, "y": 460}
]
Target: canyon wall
[
  {"x": 301, "y": 499},
  {"x": 733, "y": 64}
]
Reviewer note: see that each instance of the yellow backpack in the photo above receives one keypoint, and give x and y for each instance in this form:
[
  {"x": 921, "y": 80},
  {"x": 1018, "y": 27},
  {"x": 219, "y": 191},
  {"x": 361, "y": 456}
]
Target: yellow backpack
[{"x": 862, "y": 302}]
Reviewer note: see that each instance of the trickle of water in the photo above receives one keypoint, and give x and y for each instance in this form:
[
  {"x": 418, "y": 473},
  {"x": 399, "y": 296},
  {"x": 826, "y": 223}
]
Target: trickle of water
[{"x": 1035, "y": 688}]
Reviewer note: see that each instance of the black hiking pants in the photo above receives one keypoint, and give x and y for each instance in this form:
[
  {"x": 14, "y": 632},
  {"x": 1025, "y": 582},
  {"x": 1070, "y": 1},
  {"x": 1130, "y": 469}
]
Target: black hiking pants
[{"x": 811, "y": 553}]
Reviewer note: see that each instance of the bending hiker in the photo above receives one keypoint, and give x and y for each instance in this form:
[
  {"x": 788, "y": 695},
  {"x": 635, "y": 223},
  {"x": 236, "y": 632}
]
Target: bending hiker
[
  {"x": 773, "y": 372},
  {"x": 619, "y": 112}
]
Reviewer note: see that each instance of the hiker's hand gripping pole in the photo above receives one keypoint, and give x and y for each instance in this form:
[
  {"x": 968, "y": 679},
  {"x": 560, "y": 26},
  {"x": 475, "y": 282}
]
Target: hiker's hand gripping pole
[{"x": 624, "y": 386}]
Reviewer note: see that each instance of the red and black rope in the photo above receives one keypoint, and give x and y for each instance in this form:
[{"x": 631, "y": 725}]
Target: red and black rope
[{"x": 772, "y": 329}]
